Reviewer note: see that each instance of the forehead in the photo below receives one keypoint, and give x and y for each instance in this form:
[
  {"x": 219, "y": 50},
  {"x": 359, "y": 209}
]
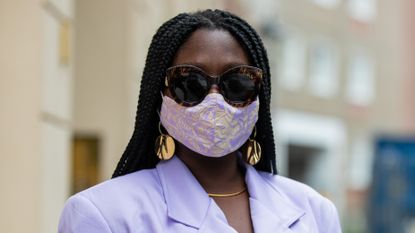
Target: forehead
[{"x": 214, "y": 50}]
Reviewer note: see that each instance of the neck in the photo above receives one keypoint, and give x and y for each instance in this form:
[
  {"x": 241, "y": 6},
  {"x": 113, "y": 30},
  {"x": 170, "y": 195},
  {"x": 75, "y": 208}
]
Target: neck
[{"x": 215, "y": 175}]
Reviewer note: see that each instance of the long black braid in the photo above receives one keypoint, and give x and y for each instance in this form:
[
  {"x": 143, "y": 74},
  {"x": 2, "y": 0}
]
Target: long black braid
[{"x": 140, "y": 153}]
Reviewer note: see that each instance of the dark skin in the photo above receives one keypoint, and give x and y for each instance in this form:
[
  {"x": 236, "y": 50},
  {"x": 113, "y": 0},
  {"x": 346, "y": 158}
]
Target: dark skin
[{"x": 215, "y": 51}]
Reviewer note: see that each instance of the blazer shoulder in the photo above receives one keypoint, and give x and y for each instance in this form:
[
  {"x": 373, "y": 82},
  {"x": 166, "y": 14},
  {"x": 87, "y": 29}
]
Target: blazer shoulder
[
  {"x": 81, "y": 215},
  {"x": 137, "y": 183},
  {"x": 113, "y": 203}
]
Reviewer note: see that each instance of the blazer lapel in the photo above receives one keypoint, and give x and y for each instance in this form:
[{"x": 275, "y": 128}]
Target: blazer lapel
[
  {"x": 270, "y": 211},
  {"x": 186, "y": 200}
]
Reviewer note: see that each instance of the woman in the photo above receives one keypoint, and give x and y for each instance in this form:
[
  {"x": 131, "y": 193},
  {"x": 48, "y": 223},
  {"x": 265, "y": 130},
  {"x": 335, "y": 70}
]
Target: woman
[{"x": 202, "y": 155}]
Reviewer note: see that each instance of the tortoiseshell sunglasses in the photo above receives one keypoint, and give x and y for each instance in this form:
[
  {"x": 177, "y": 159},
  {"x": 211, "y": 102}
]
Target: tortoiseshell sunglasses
[{"x": 189, "y": 84}]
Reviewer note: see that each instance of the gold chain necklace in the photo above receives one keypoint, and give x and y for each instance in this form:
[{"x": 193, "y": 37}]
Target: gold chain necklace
[{"x": 227, "y": 194}]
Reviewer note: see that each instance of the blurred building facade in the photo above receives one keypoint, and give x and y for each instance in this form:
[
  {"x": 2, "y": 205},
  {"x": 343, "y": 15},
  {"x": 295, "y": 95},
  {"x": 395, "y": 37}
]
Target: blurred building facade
[
  {"x": 343, "y": 80},
  {"x": 342, "y": 71}
]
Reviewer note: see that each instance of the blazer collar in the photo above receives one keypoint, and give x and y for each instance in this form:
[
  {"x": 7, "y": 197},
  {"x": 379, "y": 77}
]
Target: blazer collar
[
  {"x": 270, "y": 210},
  {"x": 187, "y": 202}
]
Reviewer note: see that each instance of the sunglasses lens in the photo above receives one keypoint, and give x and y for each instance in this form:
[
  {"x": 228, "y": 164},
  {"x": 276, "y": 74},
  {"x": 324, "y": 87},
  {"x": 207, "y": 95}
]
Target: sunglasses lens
[
  {"x": 238, "y": 88},
  {"x": 190, "y": 87}
]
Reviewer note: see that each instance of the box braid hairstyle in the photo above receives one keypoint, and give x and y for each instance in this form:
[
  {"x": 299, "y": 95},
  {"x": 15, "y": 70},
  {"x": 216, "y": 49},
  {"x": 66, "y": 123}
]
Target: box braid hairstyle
[{"x": 140, "y": 151}]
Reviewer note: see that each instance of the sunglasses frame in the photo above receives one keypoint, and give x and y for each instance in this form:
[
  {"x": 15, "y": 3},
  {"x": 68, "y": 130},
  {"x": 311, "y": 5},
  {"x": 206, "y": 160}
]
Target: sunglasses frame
[{"x": 254, "y": 73}]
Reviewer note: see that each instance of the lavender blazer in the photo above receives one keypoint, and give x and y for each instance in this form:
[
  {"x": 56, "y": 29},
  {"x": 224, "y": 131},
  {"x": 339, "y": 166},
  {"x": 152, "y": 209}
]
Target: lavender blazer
[{"x": 170, "y": 199}]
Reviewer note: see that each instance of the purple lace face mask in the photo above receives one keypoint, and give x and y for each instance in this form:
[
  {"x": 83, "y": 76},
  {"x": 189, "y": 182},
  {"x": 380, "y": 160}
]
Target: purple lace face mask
[{"x": 213, "y": 127}]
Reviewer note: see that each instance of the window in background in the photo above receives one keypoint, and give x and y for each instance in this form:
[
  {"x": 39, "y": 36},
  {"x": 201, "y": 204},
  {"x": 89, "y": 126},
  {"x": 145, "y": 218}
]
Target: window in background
[
  {"x": 360, "y": 84},
  {"x": 323, "y": 68},
  {"x": 362, "y": 10},
  {"x": 360, "y": 162},
  {"x": 292, "y": 63},
  {"x": 327, "y": 3},
  {"x": 303, "y": 161},
  {"x": 84, "y": 163}
]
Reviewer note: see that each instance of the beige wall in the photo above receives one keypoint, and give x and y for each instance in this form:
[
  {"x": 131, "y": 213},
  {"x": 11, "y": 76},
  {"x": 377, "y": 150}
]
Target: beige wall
[
  {"x": 20, "y": 124},
  {"x": 35, "y": 106},
  {"x": 409, "y": 60},
  {"x": 56, "y": 113}
]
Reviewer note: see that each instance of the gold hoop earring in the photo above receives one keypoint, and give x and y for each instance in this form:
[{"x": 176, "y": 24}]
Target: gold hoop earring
[
  {"x": 164, "y": 146},
  {"x": 253, "y": 150}
]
